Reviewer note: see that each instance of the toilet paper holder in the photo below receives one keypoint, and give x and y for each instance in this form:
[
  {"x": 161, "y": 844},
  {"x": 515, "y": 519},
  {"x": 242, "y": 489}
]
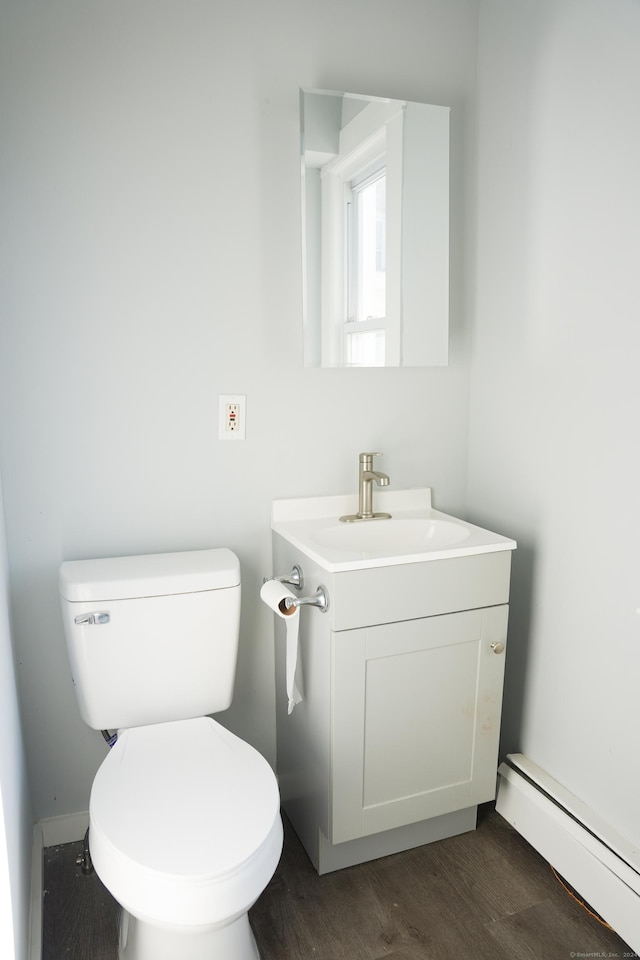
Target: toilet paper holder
[
  {"x": 320, "y": 599},
  {"x": 294, "y": 579}
]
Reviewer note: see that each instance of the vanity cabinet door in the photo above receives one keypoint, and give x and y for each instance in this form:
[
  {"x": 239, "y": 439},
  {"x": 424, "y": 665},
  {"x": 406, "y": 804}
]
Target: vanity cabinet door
[{"x": 415, "y": 719}]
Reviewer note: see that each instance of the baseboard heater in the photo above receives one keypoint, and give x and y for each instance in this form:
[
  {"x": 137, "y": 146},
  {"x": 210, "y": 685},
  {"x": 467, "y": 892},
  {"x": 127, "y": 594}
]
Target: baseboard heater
[{"x": 597, "y": 862}]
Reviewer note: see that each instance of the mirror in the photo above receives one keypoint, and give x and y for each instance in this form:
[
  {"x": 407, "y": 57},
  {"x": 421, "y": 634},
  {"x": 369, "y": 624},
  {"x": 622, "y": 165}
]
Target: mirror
[{"x": 375, "y": 231}]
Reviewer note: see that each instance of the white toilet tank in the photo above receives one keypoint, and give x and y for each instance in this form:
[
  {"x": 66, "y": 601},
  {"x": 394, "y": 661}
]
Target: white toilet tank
[{"x": 152, "y": 638}]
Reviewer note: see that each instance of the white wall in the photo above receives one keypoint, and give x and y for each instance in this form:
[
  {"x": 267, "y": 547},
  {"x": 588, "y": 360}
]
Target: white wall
[
  {"x": 151, "y": 262},
  {"x": 555, "y": 394},
  {"x": 16, "y": 824}
]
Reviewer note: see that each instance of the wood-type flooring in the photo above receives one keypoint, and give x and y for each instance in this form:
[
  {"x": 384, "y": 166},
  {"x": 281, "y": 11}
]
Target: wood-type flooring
[{"x": 485, "y": 895}]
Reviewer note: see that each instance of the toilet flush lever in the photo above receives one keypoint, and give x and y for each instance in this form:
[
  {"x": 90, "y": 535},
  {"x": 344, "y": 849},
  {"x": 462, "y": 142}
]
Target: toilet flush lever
[{"x": 99, "y": 616}]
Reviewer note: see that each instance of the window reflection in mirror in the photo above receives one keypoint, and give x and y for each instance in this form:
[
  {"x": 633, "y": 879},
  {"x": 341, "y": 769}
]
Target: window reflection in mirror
[
  {"x": 364, "y": 326},
  {"x": 375, "y": 211}
]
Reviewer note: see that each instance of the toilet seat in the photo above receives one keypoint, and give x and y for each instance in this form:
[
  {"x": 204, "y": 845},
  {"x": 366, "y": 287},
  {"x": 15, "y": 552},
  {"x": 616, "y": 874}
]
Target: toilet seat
[{"x": 184, "y": 822}]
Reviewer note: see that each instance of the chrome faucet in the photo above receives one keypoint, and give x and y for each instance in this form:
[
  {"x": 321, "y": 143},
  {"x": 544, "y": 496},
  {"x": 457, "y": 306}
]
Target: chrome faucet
[{"x": 366, "y": 477}]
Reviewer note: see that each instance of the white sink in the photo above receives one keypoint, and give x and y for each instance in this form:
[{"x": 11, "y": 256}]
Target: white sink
[
  {"x": 416, "y": 532},
  {"x": 386, "y": 538}
]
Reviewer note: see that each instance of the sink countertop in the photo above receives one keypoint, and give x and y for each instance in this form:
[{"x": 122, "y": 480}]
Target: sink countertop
[{"x": 312, "y": 525}]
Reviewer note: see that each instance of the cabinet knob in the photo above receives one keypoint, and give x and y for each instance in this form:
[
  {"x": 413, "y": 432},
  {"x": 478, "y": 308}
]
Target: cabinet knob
[{"x": 497, "y": 646}]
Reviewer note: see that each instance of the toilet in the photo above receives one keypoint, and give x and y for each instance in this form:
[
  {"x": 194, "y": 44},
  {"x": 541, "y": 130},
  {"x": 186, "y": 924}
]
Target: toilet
[{"x": 184, "y": 817}]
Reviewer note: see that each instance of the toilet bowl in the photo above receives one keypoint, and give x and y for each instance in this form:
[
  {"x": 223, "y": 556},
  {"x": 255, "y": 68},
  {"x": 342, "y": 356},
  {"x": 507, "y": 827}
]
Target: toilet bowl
[
  {"x": 185, "y": 832},
  {"x": 184, "y": 816}
]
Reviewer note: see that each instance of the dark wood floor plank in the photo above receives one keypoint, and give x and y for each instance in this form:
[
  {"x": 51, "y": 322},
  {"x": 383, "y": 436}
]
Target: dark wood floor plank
[
  {"x": 303, "y": 915},
  {"x": 496, "y": 874},
  {"x": 79, "y": 917},
  {"x": 400, "y": 905},
  {"x": 432, "y": 913},
  {"x": 543, "y": 932}
]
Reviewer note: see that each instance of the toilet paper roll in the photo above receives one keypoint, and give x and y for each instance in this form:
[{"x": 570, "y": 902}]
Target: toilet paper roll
[{"x": 274, "y": 593}]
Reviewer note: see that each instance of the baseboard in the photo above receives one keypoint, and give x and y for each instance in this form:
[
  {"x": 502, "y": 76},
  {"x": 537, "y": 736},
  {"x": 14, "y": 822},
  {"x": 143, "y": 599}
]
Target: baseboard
[
  {"x": 592, "y": 858},
  {"x": 48, "y": 833},
  {"x": 66, "y": 829}
]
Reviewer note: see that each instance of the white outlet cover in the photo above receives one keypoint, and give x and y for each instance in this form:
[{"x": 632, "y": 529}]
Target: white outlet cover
[{"x": 241, "y": 401}]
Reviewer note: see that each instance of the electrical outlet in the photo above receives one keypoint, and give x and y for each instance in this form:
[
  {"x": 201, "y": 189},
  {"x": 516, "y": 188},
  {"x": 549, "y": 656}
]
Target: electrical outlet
[
  {"x": 232, "y": 414},
  {"x": 231, "y": 417}
]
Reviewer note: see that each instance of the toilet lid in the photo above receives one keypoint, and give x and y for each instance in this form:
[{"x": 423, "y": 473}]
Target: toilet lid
[{"x": 187, "y": 799}]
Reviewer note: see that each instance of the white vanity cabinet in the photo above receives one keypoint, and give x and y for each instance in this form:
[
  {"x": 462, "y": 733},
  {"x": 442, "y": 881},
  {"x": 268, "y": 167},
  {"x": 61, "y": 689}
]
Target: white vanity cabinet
[{"x": 395, "y": 741}]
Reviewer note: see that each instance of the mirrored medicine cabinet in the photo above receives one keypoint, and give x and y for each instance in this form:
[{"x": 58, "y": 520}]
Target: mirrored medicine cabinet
[{"x": 375, "y": 231}]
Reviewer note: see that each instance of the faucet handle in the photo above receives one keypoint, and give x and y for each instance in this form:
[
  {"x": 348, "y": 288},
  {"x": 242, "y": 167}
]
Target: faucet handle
[{"x": 368, "y": 457}]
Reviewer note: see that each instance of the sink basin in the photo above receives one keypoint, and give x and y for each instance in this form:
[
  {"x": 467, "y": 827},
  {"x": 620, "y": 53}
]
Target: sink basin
[
  {"x": 390, "y": 537},
  {"x": 414, "y": 534}
]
